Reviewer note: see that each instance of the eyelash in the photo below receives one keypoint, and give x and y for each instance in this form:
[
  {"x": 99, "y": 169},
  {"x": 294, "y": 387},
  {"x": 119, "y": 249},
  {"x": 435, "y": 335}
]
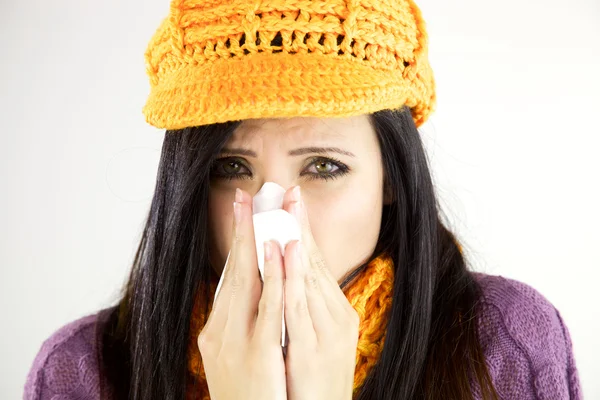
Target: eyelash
[{"x": 342, "y": 169}]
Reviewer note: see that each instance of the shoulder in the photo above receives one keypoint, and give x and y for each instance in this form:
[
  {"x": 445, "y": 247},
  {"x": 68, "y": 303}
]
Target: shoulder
[
  {"x": 66, "y": 364},
  {"x": 527, "y": 345}
]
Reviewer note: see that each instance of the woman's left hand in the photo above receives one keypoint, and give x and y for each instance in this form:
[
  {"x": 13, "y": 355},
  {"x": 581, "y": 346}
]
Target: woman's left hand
[{"x": 322, "y": 326}]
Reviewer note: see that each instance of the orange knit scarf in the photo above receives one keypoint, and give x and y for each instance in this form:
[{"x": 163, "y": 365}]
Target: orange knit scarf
[{"x": 370, "y": 293}]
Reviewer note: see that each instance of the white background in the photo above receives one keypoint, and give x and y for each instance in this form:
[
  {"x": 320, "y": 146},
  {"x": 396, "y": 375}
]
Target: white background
[{"x": 513, "y": 144}]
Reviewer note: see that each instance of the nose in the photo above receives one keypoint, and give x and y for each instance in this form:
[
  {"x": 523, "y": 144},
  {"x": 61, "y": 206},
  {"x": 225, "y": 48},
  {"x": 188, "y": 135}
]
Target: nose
[
  {"x": 275, "y": 170},
  {"x": 286, "y": 184}
]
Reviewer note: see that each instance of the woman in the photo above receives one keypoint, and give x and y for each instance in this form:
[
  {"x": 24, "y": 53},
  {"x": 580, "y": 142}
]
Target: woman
[{"x": 379, "y": 304}]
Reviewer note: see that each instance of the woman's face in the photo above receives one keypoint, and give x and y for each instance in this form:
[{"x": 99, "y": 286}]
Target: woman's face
[{"x": 343, "y": 192}]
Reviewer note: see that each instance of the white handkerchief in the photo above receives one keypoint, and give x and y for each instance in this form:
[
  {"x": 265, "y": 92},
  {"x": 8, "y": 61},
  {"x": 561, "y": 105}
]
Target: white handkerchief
[{"x": 271, "y": 222}]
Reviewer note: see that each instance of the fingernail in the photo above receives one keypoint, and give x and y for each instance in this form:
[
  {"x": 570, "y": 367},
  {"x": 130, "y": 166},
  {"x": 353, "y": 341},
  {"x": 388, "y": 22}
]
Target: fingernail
[
  {"x": 296, "y": 193},
  {"x": 238, "y": 195},
  {"x": 237, "y": 211},
  {"x": 268, "y": 251}
]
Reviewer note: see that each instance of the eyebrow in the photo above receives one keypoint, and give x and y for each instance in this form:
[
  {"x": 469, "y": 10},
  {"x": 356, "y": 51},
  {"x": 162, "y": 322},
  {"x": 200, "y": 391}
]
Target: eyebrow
[{"x": 296, "y": 152}]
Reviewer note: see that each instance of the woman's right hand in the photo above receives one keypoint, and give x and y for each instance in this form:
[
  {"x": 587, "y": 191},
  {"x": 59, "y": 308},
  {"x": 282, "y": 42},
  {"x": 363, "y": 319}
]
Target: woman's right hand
[{"x": 240, "y": 343}]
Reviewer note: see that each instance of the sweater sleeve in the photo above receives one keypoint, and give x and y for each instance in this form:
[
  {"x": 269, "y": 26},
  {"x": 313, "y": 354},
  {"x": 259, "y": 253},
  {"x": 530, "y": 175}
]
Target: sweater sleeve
[
  {"x": 527, "y": 345},
  {"x": 65, "y": 366}
]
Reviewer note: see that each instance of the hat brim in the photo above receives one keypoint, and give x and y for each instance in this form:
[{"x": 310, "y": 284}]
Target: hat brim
[{"x": 271, "y": 85}]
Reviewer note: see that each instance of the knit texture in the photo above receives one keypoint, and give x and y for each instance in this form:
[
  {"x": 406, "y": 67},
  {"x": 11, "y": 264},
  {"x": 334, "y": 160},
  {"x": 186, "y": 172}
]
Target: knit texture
[
  {"x": 216, "y": 61},
  {"x": 527, "y": 346},
  {"x": 542, "y": 365},
  {"x": 370, "y": 293}
]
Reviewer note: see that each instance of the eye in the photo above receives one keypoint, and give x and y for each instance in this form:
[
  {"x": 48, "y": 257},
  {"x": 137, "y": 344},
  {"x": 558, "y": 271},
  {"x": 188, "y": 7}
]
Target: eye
[
  {"x": 228, "y": 168},
  {"x": 327, "y": 168},
  {"x": 233, "y": 168}
]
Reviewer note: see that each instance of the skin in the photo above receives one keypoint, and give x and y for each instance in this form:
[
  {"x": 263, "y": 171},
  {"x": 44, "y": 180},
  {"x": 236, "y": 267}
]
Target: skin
[{"x": 342, "y": 212}]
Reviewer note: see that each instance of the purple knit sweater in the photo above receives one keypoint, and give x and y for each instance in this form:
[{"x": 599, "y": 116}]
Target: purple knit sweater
[{"x": 526, "y": 343}]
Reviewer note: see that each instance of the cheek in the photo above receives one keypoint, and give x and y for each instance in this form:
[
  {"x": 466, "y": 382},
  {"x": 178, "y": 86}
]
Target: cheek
[
  {"x": 346, "y": 226},
  {"x": 345, "y": 217},
  {"x": 220, "y": 217},
  {"x": 350, "y": 208}
]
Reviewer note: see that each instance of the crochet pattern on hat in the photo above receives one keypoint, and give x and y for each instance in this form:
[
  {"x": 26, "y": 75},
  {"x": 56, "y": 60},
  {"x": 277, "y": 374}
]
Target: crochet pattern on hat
[{"x": 212, "y": 62}]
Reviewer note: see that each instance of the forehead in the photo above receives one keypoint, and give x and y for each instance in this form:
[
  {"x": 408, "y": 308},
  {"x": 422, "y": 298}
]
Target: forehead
[{"x": 304, "y": 129}]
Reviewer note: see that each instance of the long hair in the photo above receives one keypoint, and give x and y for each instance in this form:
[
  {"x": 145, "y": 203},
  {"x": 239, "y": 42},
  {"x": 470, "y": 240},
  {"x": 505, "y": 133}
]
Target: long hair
[{"x": 431, "y": 349}]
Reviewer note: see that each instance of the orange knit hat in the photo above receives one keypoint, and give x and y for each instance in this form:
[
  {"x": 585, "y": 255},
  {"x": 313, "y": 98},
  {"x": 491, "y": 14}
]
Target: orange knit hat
[{"x": 216, "y": 61}]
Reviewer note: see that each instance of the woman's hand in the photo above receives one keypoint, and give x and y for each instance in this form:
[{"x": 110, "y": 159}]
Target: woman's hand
[
  {"x": 241, "y": 351},
  {"x": 321, "y": 324}
]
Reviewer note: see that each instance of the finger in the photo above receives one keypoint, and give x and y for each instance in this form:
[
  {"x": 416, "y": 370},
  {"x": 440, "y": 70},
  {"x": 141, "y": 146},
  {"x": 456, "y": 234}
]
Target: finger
[
  {"x": 299, "y": 325},
  {"x": 220, "y": 308},
  {"x": 217, "y": 317},
  {"x": 243, "y": 286},
  {"x": 227, "y": 269},
  {"x": 318, "y": 306},
  {"x": 312, "y": 258},
  {"x": 289, "y": 199},
  {"x": 270, "y": 307},
  {"x": 322, "y": 283}
]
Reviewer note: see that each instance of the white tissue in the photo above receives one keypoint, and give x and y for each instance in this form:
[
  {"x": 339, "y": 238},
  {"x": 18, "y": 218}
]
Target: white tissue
[{"x": 271, "y": 222}]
